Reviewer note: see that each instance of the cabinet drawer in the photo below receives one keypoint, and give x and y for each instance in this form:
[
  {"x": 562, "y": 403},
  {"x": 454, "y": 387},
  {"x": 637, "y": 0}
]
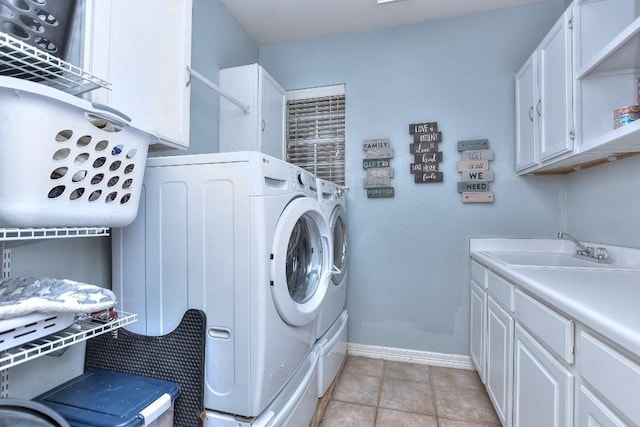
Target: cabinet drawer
[
  {"x": 614, "y": 376},
  {"x": 501, "y": 290},
  {"x": 478, "y": 274},
  {"x": 555, "y": 331}
]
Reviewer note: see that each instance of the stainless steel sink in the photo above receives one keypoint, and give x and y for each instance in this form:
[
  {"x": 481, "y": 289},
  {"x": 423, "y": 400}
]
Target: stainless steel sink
[{"x": 551, "y": 260}]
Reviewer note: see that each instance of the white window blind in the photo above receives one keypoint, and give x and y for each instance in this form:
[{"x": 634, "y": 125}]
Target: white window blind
[{"x": 315, "y": 131}]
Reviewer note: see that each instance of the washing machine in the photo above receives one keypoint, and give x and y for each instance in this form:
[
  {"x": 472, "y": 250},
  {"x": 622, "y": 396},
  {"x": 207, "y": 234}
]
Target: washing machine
[
  {"x": 242, "y": 237},
  {"x": 331, "y": 327},
  {"x": 333, "y": 203}
]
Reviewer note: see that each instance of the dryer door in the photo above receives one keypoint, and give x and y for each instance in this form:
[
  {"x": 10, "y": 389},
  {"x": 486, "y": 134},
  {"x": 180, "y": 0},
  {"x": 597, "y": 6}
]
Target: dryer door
[
  {"x": 338, "y": 224},
  {"x": 300, "y": 268}
]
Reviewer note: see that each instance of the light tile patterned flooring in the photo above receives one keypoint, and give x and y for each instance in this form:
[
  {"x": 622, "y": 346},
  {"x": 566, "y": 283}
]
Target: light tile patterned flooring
[{"x": 378, "y": 393}]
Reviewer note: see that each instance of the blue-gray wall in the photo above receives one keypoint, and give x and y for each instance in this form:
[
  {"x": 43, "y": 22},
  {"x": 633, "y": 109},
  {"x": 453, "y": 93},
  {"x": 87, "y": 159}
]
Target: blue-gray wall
[
  {"x": 408, "y": 278},
  {"x": 603, "y": 203}
]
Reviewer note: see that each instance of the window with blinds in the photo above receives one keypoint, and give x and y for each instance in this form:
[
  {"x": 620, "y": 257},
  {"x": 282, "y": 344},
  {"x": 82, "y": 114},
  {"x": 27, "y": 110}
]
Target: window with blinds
[{"x": 315, "y": 131}]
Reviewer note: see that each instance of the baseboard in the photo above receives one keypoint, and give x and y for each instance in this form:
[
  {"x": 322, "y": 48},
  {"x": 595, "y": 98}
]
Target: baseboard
[{"x": 411, "y": 356}]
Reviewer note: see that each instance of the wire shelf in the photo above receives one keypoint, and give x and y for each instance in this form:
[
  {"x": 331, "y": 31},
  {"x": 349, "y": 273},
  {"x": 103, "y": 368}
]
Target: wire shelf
[
  {"x": 84, "y": 327},
  {"x": 20, "y": 60},
  {"x": 9, "y": 234}
]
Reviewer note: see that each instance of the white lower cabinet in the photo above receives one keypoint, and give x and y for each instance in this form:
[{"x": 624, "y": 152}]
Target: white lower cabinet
[
  {"x": 543, "y": 388},
  {"x": 478, "y": 328},
  {"x": 593, "y": 412},
  {"x": 499, "y": 353},
  {"x": 543, "y": 368},
  {"x": 614, "y": 376}
]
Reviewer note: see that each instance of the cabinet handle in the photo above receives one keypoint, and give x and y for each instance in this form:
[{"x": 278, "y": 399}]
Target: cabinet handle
[
  {"x": 538, "y": 107},
  {"x": 263, "y": 125},
  {"x": 531, "y": 113}
]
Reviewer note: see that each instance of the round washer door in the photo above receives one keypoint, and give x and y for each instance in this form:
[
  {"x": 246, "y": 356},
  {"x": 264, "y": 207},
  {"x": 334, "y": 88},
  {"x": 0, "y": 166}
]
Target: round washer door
[
  {"x": 338, "y": 225},
  {"x": 300, "y": 268}
]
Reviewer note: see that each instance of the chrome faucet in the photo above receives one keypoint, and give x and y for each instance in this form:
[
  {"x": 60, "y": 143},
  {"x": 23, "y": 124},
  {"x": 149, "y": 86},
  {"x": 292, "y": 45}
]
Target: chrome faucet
[
  {"x": 589, "y": 253},
  {"x": 580, "y": 248}
]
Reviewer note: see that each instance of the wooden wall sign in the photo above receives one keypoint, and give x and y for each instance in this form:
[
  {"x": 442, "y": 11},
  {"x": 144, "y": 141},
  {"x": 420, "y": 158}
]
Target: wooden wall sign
[
  {"x": 426, "y": 153},
  {"x": 380, "y": 193},
  {"x": 474, "y": 167},
  {"x": 377, "y": 164}
]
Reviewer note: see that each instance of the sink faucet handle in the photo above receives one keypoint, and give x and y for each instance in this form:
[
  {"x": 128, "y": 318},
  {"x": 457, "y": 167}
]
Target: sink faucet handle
[{"x": 601, "y": 253}]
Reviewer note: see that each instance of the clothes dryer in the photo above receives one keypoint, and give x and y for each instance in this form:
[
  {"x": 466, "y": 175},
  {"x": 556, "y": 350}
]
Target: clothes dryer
[
  {"x": 242, "y": 237},
  {"x": 333, "y": 202}
]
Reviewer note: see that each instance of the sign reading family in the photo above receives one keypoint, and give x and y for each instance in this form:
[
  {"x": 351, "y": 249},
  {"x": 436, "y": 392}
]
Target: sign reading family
[
  {"x": 426, "y": 153},
  {"x": 378, "y": 153}
]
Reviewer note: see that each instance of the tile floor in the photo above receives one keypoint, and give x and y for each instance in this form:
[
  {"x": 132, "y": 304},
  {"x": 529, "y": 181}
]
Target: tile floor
[{"x": 378, "y": 393}]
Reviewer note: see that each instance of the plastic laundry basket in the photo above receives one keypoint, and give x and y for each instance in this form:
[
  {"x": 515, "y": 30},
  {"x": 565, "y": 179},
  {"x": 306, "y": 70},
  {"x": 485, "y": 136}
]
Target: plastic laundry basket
[{"x": 65, "y": 161}]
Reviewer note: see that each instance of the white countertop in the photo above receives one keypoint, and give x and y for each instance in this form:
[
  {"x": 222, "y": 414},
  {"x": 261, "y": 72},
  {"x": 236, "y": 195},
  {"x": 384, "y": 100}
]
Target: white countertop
[{"x": 607, "y": 301}]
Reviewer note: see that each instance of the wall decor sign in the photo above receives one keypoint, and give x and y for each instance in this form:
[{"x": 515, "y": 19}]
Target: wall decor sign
[
  {"x": 377, "y": 165},
  {"x": 426, "y": 153},
  {"x": 474, "y": 168}
]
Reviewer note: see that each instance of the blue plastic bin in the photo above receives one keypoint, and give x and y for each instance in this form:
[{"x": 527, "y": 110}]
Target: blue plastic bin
[{"x": 113, "y": 399}]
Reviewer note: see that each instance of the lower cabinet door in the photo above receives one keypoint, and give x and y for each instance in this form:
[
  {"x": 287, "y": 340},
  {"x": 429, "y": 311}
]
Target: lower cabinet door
[
  {"x": 478, "y": 328},
  {"x": 499, "y": 362},
  {"x": 593, "y": 412},
  {"x": 543, "y": 388}
]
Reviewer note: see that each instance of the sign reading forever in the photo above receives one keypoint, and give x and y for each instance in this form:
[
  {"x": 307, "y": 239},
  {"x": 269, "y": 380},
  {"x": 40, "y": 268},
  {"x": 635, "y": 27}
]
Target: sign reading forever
[
  {"x": 380, "y": 193},
  {"x": 426, "y": 153}
]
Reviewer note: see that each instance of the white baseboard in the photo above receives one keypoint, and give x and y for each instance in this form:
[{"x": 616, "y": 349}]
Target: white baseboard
[{"x": 411, "y": 356}]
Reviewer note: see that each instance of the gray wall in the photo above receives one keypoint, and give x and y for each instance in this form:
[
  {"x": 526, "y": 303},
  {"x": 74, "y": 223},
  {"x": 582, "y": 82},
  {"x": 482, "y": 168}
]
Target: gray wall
[{"x": 408, "y": 279}]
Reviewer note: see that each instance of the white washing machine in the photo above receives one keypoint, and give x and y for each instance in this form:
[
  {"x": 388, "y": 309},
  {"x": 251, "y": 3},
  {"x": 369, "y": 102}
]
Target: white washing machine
[
  {"x": 333, "y": 203},
  {"x": 240, "y": 236},
  {"x": 331, "y": 327}
]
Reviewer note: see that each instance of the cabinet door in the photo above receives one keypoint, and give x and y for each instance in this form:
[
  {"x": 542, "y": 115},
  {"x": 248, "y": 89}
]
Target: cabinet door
[
  {"x": 143, "y": 48},
  {"x": 526, "y": 116},
  {"x": 273, "y": 116},
  {"x": 593, "y": 412},
  {"x": 555, "y": 105},
  {"x": 478, "y": 327},
  {"x": 500, "y": 360},
  {"x": 543, "y": 388}
]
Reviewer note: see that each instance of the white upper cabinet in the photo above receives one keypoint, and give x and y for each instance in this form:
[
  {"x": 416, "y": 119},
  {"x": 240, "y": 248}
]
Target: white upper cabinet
[
  {"x": 588, "y": 67},
  {"x": 262, "y": 127},
  {"x": 143, "y": 48},
  {"x": 555, "y": 105},
  {"x": 527, "y": 127},
  {"x": 544, "y": 100}
]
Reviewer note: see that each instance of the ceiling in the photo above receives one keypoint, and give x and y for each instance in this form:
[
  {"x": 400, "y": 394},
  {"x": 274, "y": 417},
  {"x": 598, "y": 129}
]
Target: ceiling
[{"x": 277, "y": 21}]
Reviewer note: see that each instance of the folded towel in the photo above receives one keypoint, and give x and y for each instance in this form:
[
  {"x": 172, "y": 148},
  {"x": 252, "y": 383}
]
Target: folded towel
[{"x": 23, "y": 295}]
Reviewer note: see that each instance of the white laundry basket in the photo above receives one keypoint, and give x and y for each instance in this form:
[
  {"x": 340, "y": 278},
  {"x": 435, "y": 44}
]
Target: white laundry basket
[{"x": 66, "y": 162}]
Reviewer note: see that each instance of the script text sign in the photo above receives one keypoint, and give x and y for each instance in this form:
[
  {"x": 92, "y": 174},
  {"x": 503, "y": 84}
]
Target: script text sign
[
  {"x": 423, "y": 167},
  {"x": 428, "y": 177},
  {"x": 473, "y": 165},
  {"x": 425, "y": 127}
]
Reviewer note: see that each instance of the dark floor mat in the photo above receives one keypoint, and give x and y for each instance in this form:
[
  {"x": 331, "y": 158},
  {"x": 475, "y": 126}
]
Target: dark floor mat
[{"x": 177, "y": 356}]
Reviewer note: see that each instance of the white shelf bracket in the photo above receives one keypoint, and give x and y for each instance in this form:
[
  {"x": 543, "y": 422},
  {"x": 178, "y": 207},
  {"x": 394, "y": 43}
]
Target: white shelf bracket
[
  {"x": 6, "y": 262},
  {"x": 210, "y": 84}
]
